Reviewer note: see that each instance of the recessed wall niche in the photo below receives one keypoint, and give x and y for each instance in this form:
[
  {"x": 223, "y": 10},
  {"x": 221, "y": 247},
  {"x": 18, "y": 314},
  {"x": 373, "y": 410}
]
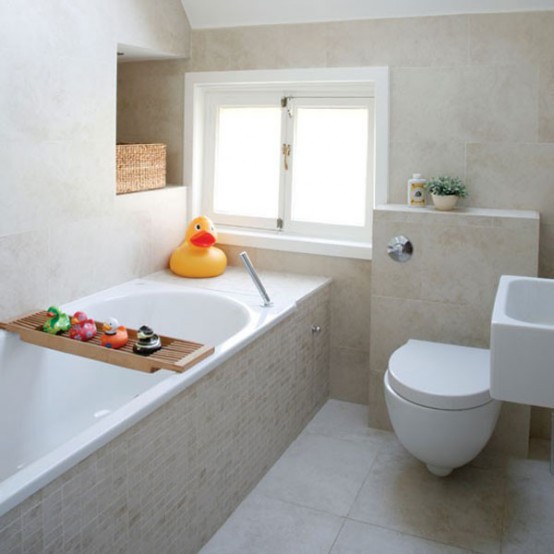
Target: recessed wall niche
[{"x": 150, "y": 103}]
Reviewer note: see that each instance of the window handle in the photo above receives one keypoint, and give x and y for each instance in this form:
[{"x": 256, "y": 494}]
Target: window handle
[{"x": 286, "y": 154}]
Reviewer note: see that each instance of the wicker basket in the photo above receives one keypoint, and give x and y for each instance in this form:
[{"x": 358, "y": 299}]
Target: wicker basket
[{"x": 140, "y": 167}]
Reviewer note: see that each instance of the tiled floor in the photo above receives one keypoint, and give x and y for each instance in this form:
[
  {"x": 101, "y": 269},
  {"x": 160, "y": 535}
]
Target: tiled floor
[{"x": 342, "y": 488}]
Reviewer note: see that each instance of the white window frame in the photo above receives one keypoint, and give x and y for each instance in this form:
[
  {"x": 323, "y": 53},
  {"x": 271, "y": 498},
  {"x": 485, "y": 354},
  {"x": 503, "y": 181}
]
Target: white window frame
[{"x": 196, "y": 87}]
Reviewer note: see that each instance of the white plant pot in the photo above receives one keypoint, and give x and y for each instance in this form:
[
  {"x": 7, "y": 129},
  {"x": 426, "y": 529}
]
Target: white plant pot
[{"x": 444, "y": 203}]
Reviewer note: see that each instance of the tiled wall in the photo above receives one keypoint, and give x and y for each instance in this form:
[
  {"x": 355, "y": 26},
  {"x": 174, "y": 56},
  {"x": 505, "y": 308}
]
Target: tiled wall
[
  {"x": 168, "y": 483},
  {"x": 471, "y": 95},
  {"x": 63, "y": 232},
  {"x": 350, "y": 312},
  {"x": 445, "y": 293}
]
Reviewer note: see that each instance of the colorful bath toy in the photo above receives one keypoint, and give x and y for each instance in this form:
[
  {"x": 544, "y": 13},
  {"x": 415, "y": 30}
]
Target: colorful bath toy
[
  {"x": 115, "y": 335},
  {"x": 147, "y": 343},
  {"x": 197, "y": 256},
  {"x": 82, "y": 327},
  {"x": 57, "y": 321}
]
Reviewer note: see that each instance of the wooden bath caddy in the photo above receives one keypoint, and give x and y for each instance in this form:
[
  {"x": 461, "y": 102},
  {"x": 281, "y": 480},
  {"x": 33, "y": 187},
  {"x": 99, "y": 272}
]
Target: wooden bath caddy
[{"x": 175, "y": 354}]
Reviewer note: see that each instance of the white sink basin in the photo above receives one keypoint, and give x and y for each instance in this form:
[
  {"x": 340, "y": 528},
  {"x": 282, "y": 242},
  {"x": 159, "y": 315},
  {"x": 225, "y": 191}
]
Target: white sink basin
[{"x": 522, "y": 341}]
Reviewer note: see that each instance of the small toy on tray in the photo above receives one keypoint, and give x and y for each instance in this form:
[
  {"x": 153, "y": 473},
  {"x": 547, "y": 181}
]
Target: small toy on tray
[
  {"x": 57, "y": 322},
  {"x": 115, "y": 335},
  {"x": 147, "y": 343},
  {"x": 82, "y": 327}
]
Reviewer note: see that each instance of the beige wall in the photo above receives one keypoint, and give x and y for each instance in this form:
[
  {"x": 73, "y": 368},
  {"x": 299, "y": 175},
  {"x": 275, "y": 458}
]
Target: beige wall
[
  {"x": 63, "y": 232},
  {"x": 470, "y": 96}
]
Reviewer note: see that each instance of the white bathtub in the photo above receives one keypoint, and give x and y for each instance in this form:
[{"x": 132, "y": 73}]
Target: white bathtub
[{"x": 57, "y": 408}]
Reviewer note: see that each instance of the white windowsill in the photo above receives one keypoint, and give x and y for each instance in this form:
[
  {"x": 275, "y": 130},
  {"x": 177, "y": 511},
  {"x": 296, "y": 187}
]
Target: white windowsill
[{"x": 290, "y": 243}]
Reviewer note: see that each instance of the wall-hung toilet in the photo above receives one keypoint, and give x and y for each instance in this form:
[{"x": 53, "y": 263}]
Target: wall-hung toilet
[{"x": 439, "y": 403}]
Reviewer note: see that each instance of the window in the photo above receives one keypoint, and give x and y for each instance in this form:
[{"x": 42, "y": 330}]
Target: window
[{"x": 294, "y": 159}]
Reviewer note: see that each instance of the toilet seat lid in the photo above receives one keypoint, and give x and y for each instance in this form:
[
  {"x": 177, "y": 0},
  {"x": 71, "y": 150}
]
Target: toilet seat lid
[{"x": 443, "y": 376}]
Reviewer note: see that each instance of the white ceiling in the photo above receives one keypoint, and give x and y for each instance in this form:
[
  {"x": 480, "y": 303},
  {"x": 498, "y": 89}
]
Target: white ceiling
[{"x": 204, "y": 14}]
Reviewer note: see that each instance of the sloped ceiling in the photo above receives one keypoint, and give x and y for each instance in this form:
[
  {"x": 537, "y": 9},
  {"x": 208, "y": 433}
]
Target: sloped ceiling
[{"x": 232, "y": 13}]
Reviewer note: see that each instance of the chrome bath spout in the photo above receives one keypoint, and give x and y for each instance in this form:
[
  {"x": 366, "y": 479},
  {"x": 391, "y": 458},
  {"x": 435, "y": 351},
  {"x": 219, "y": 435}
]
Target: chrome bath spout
[{"x": 252, "y": 272}]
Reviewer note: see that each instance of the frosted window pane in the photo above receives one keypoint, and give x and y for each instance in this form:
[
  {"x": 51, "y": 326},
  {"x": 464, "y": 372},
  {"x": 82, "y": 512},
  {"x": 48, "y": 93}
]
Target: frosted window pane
[
  {"x": 247, "y": 162},
  {"x": 330, "y": 166}
]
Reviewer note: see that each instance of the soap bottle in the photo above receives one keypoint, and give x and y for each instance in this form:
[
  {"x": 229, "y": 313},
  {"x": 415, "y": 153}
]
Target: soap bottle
[{"x": 416, "y": 191}]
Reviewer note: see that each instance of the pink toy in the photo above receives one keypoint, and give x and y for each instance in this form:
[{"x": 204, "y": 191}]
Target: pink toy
[{"x": 82, "y": 327}]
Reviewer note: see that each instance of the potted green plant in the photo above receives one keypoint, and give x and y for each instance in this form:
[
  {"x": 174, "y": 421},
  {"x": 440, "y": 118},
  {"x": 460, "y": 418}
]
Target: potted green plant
[{"x": 445, "y": 191}]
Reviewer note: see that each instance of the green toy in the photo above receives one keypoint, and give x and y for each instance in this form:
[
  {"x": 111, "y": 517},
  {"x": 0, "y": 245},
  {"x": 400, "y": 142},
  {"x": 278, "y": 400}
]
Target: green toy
[{"x": 58, "y": 322}]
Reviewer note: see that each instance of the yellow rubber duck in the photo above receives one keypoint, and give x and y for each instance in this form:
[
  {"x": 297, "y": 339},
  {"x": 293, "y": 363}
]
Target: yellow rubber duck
[{"x": 197, "y": 256}]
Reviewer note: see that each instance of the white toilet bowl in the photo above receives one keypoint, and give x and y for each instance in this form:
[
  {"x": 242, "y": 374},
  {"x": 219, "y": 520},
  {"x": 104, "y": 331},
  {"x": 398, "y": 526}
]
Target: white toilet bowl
[{"x": 439, "y": 403}]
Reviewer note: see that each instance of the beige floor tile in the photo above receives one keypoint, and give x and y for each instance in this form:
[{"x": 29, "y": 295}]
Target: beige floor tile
[
  {"x": 269, "y": 526},
  {"x": 361, "y": 538},
  {"x": 320, "y": 472},
  {"x": 400, "y": 508},
  {"x": 464, "y": 509},
  {"x": 529, "y": 505},
  {"x": 344, "y": 420}
]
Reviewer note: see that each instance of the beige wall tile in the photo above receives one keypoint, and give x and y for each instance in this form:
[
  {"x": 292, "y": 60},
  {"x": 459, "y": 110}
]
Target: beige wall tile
[
  {"x": 264, "y": 47},
  {"x": 46, "y": 182},
  {"x": 75, "y": 248},
  {"x": 24, "y": 260},
  {"x": 349, "y": 316},
  {"x": 429, "y": 158},
  {"x": 58, "y": 29},
  {"x": 458, "y": 264},
  {"x": 541, "y": 423},
  {"x": 166, "y": 221},
  {"x": 398, "y": 319},
  {"x": 350, "y": 311},
  {"x": 511, "y": 38},
  {"x": 65, "y": 98},
  {"x": 511, "y": 434},
  {"x": 405, "y": 41},
  {"x": 546, "y": 265},
  {"x": 470, "y": 103},
  {"x": 512, "y": 176},
  {"x": 350, "y": 291},
  {"x": 348, "y": 377},
  {"x": 232, "y": 253},
  {"x": 464, "y": 266},
  {"x": 546, "y": 102},
  {"x": 377, "y": 409}
]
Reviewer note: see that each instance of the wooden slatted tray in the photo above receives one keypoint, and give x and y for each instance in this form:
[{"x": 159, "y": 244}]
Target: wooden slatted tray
[{"x": 175, "y": 354}]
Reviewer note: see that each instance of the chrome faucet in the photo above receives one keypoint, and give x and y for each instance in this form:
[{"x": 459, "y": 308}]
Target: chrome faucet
[{"x": 252, "y": 272}]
